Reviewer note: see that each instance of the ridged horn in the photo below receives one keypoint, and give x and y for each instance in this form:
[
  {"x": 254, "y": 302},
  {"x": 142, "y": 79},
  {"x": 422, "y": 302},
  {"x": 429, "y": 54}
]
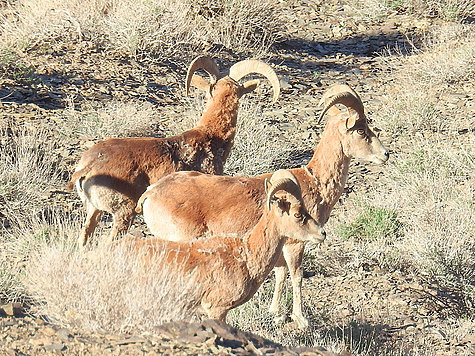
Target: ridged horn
[
  {"x": 336, "y": 89},
  {"x": 341, "y": 94},
  {"x": 283, "y": 180},
  {"x": 202, "y": 62},
  {"x": 248, "y": 66}
]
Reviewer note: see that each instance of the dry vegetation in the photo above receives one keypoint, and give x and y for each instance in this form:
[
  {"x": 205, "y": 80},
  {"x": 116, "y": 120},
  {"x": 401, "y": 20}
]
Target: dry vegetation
[
  {"x": 418, "y": 219},
  {"x": 157, "y": 29},
  {"x": 104, "y": 289},
  {"x": 432, "y": 181}
]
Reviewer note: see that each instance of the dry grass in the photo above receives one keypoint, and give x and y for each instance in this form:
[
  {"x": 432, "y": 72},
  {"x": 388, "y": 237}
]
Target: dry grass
[
  {"x": 162, "y": 29},
  {"x": 28, "y": 170},
  {"x": 449, "y": 10},
  {"x": 105, "y": 289},
  {"x": 443, "y": 68},
  {"x": 18, "y": 243},
  {"x": 356, "y": 338},
  {"x": 418, "y": 219},
  {"x": 112, "y": 119},
  {"x": 444, "y": 9},
  {"x": 259, "y": 147},
  {"x": 430, "y": 182}
]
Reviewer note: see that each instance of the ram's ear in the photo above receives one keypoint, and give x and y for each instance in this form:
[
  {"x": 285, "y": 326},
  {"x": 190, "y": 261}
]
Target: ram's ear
[
  {"x": 351, "y": 121},
  {"x": 248, "y": 87},
  {"x": 200, "y": 83},
  {"x": 282, "y": 204}
]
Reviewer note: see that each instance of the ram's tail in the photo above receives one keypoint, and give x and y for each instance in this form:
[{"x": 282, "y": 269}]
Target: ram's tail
[
  {"x": 138, "y": 208},
  {"x": 76, "y": 175}
]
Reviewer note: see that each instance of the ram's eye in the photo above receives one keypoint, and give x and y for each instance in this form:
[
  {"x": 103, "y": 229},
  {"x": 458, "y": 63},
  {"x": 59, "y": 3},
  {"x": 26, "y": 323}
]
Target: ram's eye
[
  {"x": 298, "y": 215},
  {"x": 360, "y": 132}
]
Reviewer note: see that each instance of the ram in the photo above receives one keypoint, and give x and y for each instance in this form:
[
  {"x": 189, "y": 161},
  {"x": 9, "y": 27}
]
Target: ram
[
  {"x": 185, "y": 205},
  {"x": 229, "y": 270},
  {"x": 113, "y": 174}
]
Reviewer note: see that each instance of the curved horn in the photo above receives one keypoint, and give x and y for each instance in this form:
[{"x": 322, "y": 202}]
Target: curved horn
[
  {"x": 202, "y": 62},
  {"x": 336, "y": 89},
  {"x": 342, "y": 94},
  {"x": 248, "y": 66},
  {"x": 283, "y": 180}
]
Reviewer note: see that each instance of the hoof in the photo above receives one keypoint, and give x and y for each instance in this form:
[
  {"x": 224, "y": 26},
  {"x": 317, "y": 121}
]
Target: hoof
[
  {"x": 301, "y": 321},
  {"x": 280, "y": 319}
]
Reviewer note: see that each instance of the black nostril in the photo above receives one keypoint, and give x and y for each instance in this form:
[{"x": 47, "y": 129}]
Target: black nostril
[
  {"x": 324, "y": 234},
  {"x": 386, "y": 154}
]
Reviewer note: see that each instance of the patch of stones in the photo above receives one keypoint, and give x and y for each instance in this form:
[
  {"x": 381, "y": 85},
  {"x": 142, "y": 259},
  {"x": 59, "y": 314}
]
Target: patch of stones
[{"x": 25, "y": 335}]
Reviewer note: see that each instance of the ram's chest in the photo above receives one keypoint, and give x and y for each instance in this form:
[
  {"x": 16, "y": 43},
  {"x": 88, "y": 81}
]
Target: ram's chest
[{"x": 232, "y": 287}]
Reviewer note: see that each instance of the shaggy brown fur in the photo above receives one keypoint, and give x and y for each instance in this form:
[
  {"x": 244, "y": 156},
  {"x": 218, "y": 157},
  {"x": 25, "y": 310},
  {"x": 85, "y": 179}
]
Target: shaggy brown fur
[
  {"x": 185, "y": 205},
  {"x": 113, "y": 174},
  {"x": 237, "y": 265}
]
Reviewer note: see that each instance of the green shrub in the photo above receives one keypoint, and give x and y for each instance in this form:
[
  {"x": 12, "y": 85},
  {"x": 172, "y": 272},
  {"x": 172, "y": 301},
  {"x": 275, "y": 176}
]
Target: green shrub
[
  {"x": 13, "y": 67},
  {"x": 372, "y": 224}
]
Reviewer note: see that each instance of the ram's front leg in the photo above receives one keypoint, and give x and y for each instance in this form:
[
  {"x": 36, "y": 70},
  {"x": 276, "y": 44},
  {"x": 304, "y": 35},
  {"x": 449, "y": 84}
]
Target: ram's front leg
[
  {"x": 280, "y": 273},
  {"x": 293, "y": 253}
]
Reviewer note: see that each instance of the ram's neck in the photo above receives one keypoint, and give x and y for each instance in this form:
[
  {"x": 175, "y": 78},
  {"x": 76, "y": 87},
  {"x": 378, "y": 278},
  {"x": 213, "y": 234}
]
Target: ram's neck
[
  {"x": 263, "y": 247},
  {"x": 329, "y": 168},
  {"x": 220, "y": 116}
]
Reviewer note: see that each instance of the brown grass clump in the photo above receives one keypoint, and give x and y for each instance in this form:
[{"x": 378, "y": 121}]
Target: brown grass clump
[
  {"x": 104, "y": 289},
  {"x": 160, "y": 28},
  {"x": 28, "y": 170}
]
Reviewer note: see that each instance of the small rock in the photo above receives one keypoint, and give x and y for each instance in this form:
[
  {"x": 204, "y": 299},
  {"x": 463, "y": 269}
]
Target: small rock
[
  {"x": 11, "y": 309},
  {"x": 55, "y": 346},
  {"x": 284, "y": 83},
  {"x": 64, "y": 334},
  {"x": 38, "y": 342}
]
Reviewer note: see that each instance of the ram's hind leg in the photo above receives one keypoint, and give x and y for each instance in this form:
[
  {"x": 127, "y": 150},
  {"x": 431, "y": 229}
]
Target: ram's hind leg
[
  {"x": 293, "y": 254},
  {"x": 121, "y": 222},
  {"x": 92, "y": 219}
]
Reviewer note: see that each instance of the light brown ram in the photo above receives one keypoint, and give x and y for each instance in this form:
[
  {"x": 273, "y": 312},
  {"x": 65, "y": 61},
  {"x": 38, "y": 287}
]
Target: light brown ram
[
  {"x": 229, "y": 270},
  {"x": 113, "y": 174},
  {"x": 185, "y": 205}
]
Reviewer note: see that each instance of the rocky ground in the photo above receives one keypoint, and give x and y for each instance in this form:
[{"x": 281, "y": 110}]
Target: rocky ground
[
  {"x": 399, "y": 311},
  {"x": 24, "y": 335}
]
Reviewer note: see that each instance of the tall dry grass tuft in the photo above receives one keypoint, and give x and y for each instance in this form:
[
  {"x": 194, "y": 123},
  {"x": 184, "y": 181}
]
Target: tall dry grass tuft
[
  {"x": 94, "y": 121},
  {"x": 29, "y": 168},
  {"x": 162, "y": 28},
  {"x": 104, "y": 289},
  {"x": 22, "y": 240}
]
